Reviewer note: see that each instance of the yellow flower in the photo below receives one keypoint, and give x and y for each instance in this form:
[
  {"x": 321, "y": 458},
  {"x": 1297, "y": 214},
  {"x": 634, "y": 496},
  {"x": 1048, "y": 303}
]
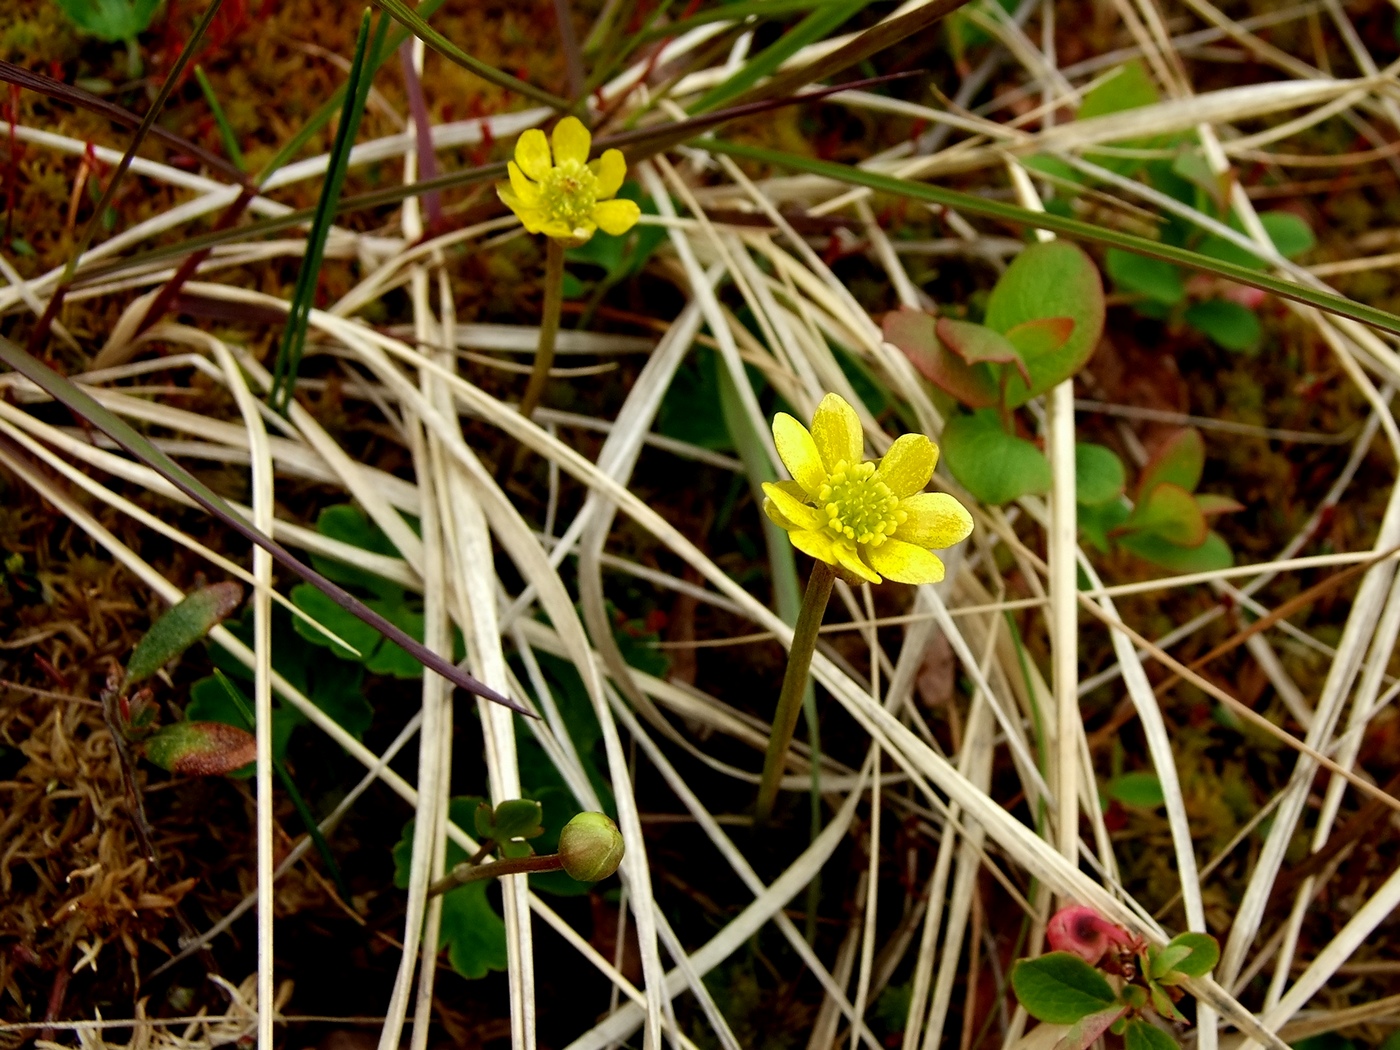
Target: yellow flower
[
  {"x": 568, "y": 198},
  {"x": 868, "y": 519}
]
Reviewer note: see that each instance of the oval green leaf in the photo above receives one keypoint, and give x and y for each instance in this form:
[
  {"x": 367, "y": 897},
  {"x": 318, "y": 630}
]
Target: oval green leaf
[
  {"x": 1061, "y": 988},
  {"x": 993, "y": 465},
  {"x": 1204, "y": 954},
  {"x": 1098, "y": 474},
  {"x": 180, "y": 627}
]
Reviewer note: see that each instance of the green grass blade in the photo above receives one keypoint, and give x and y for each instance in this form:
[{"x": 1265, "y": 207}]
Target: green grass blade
[
  {"x": 81, "y": 403},
  {"x": 736, "y": 12},
  {"x": 1075, "y": 229},
  {"x": 284, "y": 375},
  {"x": 298, "y": 802},
  {"x": 408, "y": 17},
  {"x": 230, "y": 140},
  {"x": 814, "y": 27}
]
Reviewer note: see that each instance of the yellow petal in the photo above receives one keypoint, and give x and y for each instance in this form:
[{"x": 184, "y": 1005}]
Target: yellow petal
[
  {"x": 799, "y": 453},
  {"x": 532, "y": 154},
  {"x": 526, "y": 192},
  {"x": 908, "y": 465},
  {"x": 776, "y": 516},
  {"x": 849, "y": 559},
  {"x": 571, "y": 141},
  {"x": 936, "y": 520},
  {"x": 616, "y": 217},
  {"x": 792, "y": 508},
  {"x": 836, "y": 429},
  {"x": 611, "y": 169},
  {"x": 905, "y": 563},
  {"x": 562, "y": 231},
  {"x": 817, "y": 544}
]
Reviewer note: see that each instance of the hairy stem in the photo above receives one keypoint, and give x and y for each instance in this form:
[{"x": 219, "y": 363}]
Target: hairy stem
[
  {"x": 804, "y": 642},
  {"x": 465, "y": 873}
]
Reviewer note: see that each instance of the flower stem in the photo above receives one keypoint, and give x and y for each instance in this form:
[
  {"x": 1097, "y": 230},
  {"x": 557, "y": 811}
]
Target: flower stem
[
  {"x": 465, "y": 873},
  {"x": 804, "y": 642},
  {"x": 549, "y": 326}
]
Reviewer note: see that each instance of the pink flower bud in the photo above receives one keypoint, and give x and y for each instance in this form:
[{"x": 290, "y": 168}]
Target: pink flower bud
[{"x": 1084, "y": 932}]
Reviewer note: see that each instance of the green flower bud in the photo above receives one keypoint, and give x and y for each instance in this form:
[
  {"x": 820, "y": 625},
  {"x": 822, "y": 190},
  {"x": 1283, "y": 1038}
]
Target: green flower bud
[
  {"x": 591, "y": 847},
  {"x": 201, "y": 749}
]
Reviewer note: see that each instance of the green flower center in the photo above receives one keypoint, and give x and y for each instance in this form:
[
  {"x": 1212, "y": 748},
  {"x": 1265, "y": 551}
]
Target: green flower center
[
  {"x": 858, "y": 507},
  {"x": 570, "y": 193}
]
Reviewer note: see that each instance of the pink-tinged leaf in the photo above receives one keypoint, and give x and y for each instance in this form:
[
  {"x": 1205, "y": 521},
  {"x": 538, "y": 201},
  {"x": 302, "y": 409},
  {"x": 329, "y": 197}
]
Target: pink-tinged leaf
[
  {"x": 1086, "y": 1030},
  {"x": 976, "y": 344},
  {"x": 1043, "y": 336},
  {"x": 180, "y": 627},
  {"x": 912, "y": 332},
  {"x": 201, "y": 749},
  {"x": 1211, "y": 504},
  {"x": 1170, "y": 513},
  {"x": 1181, "y": 460}
]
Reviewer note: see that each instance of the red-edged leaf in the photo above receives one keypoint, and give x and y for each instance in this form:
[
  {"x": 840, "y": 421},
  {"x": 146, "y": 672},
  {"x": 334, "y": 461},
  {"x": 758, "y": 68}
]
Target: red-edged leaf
[
  {"x": 1170, "y": 513},
  {"x": 912, "y": 332},
  {"x": 1211, "y": 504},
  {"x": 976, "y": 344},
  {"x": 1042, "y": 336},
  {"x": 1180, "y": 461},
  {"x": 201, "y": 749}
]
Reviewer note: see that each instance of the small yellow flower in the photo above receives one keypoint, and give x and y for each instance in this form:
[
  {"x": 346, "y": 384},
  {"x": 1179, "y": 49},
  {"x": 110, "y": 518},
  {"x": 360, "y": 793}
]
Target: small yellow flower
[
  {"x": 868, "y": 519},
  {"x": 568, "y": 198}
]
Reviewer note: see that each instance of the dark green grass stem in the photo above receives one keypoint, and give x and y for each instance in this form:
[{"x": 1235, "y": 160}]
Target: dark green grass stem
[
  {"x": 804, "y": 643},
  {"x": 289, "y": 353},
  {"x": 465, "y": 873},
  {"x": 549, "y": 327}
]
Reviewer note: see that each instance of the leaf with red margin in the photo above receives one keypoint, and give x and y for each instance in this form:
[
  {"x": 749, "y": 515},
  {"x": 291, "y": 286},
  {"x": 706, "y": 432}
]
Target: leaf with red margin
[
  {"x": 1179, "y": 461},
  {"x": 912, "y": 332},
  {"x": 1212, "y": 504},
  {"x": 977, "y": 344},
  {"x": 1042, "y": 336},
  {"x": 1170, "y": 513}
]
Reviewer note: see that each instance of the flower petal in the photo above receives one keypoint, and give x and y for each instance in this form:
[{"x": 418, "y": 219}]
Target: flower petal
[
  {"x": 905, "y": 563},
  {"x": 849, "y": 559},
  {"x": 616, "y": 217},
  {"x": 836, "y": 429},
  {"x": 611, "y": 169},
  {"x": 571, "y": 141},
  {"x": 532, "y": 154},
  {"x": 799, "y": 453},
  {"x": 792, "y": 508},
  {"x": 936, "y": 520},
  {"x": 526, "y": 191},
  {"x": 817, "y": 544},
  {"x": 908, "y": 465}
]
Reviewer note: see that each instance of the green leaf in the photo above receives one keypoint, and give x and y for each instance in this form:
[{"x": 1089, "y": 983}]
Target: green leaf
[
  {"x": 472, "y": 931},
  {"x": 992, "y": 464},
  {"x": 1098, "y": 474},
  {"x": 1136, "y": 789},
  {"x": 201, "y": 749},
  {"x": 1164, "y": 959},
  {"x": 976, "y": 344},
  {"x": 1229, "y": 325},
  {"x": 1049, "y": 280},
  {"x": 324, "y": 611},
  {"x": 1139, "y": 1035},
  {"x": 1097, "y": 522},
  {"x": 111, "y": 20},
  {"x": 179, "y": 627},
  {"x": 690, "y": 410},
  {"x": 517, "y": 818},
  {"x": 1211, "y": 555},
  {"x": 337, "y": 688},
  {"x": 1180, "y": 461},
  {"x": 1060, "y": 988},
  {"x": 1290, "y": 235},
  {"x": 1130, "y": 87},
  {"x": 348, "y": 524},
  {"x": 1159, "y": 281},
  {"x": 1204, "y": 953},
  {"x": 210, "y": 702},
  {"x": 1170, "y": 513},
  {"x": 391, "y": 658},
  {"x": 915, "y": 334}
]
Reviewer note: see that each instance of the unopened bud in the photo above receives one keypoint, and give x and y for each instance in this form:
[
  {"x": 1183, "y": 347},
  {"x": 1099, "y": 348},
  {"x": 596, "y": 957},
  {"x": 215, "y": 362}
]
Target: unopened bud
[
  {"x": 1086, "y": 933},
  {"x": 201, "y": 749},
  {"x": 591, "y": 847}
]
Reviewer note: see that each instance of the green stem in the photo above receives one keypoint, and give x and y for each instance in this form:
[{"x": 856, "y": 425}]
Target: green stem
[
  {"x": 465, "y": 873},
  {"x": 549, "y": 326},
  {"x": 804, "y": 642}
]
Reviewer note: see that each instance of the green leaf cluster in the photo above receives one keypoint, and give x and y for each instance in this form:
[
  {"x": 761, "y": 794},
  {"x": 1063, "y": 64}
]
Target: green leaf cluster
[
  {"x": 111, "y": 20},
  {"x": 1061, "y": 988}
]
